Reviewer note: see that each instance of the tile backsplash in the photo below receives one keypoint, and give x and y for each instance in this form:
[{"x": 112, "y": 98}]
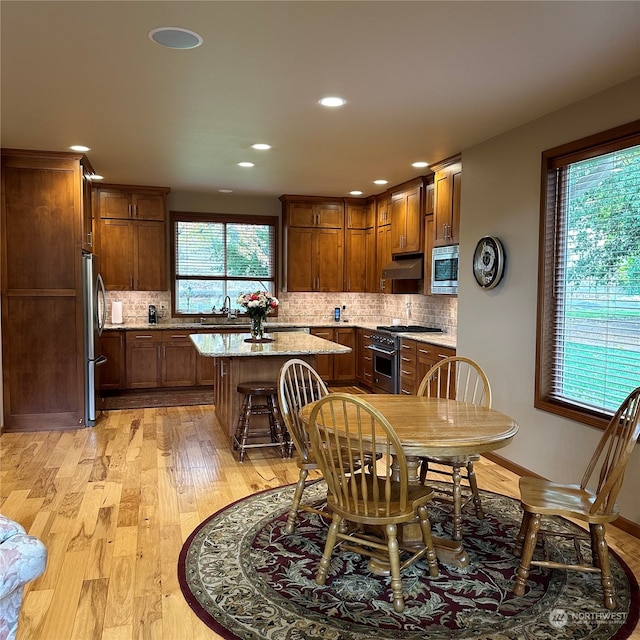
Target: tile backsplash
[{"x": 438, "y": 311}]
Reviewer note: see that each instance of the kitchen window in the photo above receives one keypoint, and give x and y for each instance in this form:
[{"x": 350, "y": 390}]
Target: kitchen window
[
  {"x": 215, "y": 256},
  {"x": 588, "y": 337}
]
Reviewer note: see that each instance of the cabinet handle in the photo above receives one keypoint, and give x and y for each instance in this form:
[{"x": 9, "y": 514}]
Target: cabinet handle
[
  {"x": 90, "y": 238},
  {"x": 223, "y": 373},
  {"x": 144, "y": 337},
  {"x": 134, "y": 208},
  {"x": 130, "y": 210}
]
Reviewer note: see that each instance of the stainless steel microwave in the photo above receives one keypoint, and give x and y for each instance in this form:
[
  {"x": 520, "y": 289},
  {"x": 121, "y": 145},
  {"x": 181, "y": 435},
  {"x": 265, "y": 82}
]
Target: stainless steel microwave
[{"x": 444, "y": 269}]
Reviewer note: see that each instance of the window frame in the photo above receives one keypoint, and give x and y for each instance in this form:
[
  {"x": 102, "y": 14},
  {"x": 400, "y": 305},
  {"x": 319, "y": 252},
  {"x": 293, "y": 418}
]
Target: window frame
[
  {"x": 183, "y": 216},
  {"x": 592, "y": 146}
]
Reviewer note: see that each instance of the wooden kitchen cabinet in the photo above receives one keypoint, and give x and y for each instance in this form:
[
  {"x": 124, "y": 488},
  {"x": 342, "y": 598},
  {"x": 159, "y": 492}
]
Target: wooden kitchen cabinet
[
  {"x": 132, "y": 202},
  {"x": 337, "y": 368},
  {"x": 416, "y": 358},
  {"x": 113, "y": 371},
  {"x": 406, "y": 219},
  {"x": 179, "y": 359},
  {"x": 144, "y": 368},
  {"x": 132, "y": 237},
  {"x": 314, "y": 244},
  {"x": 132, "y": 255},
  {"x": 42, "y": 323},
  {"x": 364, "y": 358},
  {"x": 359, "y": 258},
  {"x": 447, "y": 189}
]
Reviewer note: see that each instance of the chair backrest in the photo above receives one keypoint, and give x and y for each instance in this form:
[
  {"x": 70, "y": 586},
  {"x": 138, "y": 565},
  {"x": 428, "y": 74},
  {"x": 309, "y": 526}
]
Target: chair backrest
[
  {"x": 344, "y": 431},
  {"x": 613, "y": 452},
  {"x": 457, "y": 378},
  {"x": 298, "y": 384}
]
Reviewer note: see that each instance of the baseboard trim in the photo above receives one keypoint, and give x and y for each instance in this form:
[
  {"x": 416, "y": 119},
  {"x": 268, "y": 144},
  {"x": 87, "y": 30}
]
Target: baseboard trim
[{"x": 628, "y": 526}]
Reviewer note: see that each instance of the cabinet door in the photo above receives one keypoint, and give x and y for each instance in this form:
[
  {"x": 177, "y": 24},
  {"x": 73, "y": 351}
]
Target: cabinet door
[
  {"x": 329, "y": 214},
  {"x": 344, "y": 364},
  {"x": 150, "y": 257},
  {"x": 300, "y": 274},
  {"x": 148, "y": 206},
  {"x": 87, "y": 211},
  {"x": 300, "y": 214},
  {"x": 113, "y": 203},
  {"x": 447, "y": 186},
  {"x": 358, "y": 216},
  {"x": 117, "y": 254},
  {"x": 383, "y": 257},
  {"x": 143, "y": 359},
  {"x": 409, "y": 379},
  {"x": 178, "y": 359},
  {"x": 112, "y": 372},
  {"x": 383, "y": 208},
  {"x": 406, "y": 221},
  {"x": 329, "y": 259},
  {"x": 364, "y": 358},
  {"x": 324, "y": 363},
  {"x": 355, "y": 278}
]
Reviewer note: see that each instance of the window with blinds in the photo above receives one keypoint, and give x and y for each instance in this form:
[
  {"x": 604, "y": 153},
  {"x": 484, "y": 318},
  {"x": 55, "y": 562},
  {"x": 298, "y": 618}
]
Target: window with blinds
[
  {"x": 589, "y": 297},
  {"x": 217, "y": 256}
]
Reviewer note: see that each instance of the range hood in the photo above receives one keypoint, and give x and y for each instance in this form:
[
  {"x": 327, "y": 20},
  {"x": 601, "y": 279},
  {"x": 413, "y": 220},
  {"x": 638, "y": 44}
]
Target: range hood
[{"x": 409, "y": 268}]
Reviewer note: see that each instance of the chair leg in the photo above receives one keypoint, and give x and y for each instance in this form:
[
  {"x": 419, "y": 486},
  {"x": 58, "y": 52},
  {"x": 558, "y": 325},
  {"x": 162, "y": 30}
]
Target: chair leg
[
  {"x": 394, "y": 562},
  {"x": 297, "y": 496},
  {"x": 424, "y": 469},
  {"x": 425, "y": 525},
  {"x": 242, "y": 430},
  {"x": 600, "y": 553},
  {"x": 521, "y": 534},
  {"x": 473, "y": 483},
  {"x": 457, "y": 502},
  {"x": 531, "y": 537},
  {"x": 332, "y": 536}
]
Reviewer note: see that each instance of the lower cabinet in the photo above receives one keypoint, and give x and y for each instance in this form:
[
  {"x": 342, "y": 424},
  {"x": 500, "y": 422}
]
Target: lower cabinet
[
  {"x": 152, "y": 359},
  {"x": 416, "y": 358},
  {"x": 364, "y": 358},
  {"x": 222, "y": 390},
  {"x": 338, "y": 368}
]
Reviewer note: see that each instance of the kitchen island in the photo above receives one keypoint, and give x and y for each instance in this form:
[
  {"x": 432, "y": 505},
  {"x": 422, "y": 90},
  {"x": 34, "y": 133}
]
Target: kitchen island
[{"x": 236, "y": 361}]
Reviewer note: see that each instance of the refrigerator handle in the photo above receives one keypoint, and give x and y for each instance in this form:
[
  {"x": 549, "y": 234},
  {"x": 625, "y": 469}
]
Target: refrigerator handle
[
  {"x": 101, "y": 360},
  {"x": 102, "y": 292}
]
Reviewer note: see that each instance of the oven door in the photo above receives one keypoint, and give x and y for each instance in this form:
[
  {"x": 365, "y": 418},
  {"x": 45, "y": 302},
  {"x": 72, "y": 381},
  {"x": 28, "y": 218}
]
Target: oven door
[{"x": 385, "y": 374}]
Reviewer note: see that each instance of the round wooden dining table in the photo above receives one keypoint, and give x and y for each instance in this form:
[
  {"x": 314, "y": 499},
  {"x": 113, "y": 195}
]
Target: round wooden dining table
[{"x": 438, "y": 427}]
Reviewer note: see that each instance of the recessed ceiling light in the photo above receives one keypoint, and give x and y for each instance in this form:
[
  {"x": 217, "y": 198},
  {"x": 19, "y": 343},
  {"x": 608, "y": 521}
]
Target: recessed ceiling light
[
  {"x": 420, "y": 164},
  {"x": 246, "y": 164},
  {"x": 261, "y": 146},
  {"x": 355, "y": 193},
  {"x": 96, "y": 176},
  {"x": 332, "y": 101},
  {"x": 175, "y": 38},
  {"x": 79, "y": 147},
  {"x": 380, "y": 181},
  {"x": 225, "y": 190}
]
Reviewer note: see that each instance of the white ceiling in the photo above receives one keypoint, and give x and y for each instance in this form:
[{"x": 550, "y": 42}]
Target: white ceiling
[{"x": 423, "y": 81}]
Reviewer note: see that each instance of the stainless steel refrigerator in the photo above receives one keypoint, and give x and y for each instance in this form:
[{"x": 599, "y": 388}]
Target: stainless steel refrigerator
[{"x": 94, "y": 302}]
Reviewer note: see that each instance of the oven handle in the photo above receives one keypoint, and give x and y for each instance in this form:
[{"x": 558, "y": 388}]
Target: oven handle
[{"x": 382, "y": 351}]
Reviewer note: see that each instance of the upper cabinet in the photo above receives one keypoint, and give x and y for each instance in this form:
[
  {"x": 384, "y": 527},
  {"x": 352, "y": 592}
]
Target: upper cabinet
[
  {"x": 447, "y": 186},
  {"x": 359, "y": 258},
  {"x": 132, "y": 237},
  {"x": 314, "y": 243},
  {"x": 406, "y": 218},
  {"x": 132, "y": 203}
]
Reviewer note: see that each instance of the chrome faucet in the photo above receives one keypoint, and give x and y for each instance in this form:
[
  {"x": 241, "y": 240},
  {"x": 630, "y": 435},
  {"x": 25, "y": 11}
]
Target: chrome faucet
[{"x": 226, "y": 309}]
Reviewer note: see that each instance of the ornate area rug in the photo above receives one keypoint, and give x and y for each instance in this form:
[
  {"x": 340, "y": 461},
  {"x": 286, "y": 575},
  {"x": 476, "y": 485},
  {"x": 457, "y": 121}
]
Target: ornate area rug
[{"x": 247, "y": 579}]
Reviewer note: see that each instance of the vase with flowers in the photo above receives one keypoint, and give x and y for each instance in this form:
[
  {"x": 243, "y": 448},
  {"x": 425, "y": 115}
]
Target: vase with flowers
[{"x": 257, "y": 305}]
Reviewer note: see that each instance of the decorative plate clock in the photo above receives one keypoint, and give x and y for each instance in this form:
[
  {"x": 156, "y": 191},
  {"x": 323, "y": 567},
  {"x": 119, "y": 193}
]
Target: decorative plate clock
[{"x": 488, "y": 262}]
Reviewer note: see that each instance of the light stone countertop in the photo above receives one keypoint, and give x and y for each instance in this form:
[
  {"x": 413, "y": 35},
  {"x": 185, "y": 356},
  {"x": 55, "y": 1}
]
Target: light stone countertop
[
  {"x": 439, "y": 339},
  {"x": 284, "y": 344}
]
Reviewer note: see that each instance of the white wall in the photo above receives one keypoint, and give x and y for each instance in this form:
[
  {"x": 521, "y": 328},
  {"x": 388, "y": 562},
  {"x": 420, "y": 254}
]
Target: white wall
[{"x": 501, "y": 197}]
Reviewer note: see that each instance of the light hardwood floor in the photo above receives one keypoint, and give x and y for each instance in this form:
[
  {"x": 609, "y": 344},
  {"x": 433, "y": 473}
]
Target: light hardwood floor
[{"x": 114, "y": 505}]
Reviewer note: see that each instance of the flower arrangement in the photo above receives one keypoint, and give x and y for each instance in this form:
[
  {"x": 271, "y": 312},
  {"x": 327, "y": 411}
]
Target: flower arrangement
[{"x": 257, "y": 304}]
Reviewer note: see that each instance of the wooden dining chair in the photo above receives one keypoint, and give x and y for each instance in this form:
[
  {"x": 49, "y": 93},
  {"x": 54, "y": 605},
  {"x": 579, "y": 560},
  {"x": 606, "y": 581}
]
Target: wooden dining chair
[
  {"x": 299, "y": 384},
  {"x": 593, "y": 506},
  {"x": 456, "y": 378},
  {"x": 344, "y": 429}
]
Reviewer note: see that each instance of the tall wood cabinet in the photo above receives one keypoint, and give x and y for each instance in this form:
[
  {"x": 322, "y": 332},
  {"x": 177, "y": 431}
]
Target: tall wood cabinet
[
  {"x": 359, "y": 260},
  {"x": 447, "y": 188},
  {"x": 314, "y": 243},
  {"x": 43, "y": 201},
  {"x": 406, "y": 218},
  {"x": 132, "y": 237}
]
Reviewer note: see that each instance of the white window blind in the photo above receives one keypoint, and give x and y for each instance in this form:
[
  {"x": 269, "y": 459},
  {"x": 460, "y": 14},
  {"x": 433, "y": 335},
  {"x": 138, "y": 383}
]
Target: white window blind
[
  {"x": 214, "y": 259},
  {"x": 593, "y": 280}
]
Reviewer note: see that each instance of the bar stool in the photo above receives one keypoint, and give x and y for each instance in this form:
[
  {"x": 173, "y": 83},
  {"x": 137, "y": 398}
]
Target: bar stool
[{"x": 276, "y": 431}]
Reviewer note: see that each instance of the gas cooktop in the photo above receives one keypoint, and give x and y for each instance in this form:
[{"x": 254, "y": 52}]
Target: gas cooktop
[{"x": 409, "y": 328}]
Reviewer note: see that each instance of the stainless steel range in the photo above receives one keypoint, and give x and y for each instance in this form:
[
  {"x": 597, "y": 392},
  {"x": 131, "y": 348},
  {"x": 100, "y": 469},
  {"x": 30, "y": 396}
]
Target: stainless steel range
[{"x": 385, "y": 346}]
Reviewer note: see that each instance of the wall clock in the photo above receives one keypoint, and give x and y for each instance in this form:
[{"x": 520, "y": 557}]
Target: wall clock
[{"x": 488, "y": 262}]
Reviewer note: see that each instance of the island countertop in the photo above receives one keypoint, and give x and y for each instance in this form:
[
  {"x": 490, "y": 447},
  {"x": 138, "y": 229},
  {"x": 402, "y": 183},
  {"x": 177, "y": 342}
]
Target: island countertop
[{"x": 219, "y": 345}]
